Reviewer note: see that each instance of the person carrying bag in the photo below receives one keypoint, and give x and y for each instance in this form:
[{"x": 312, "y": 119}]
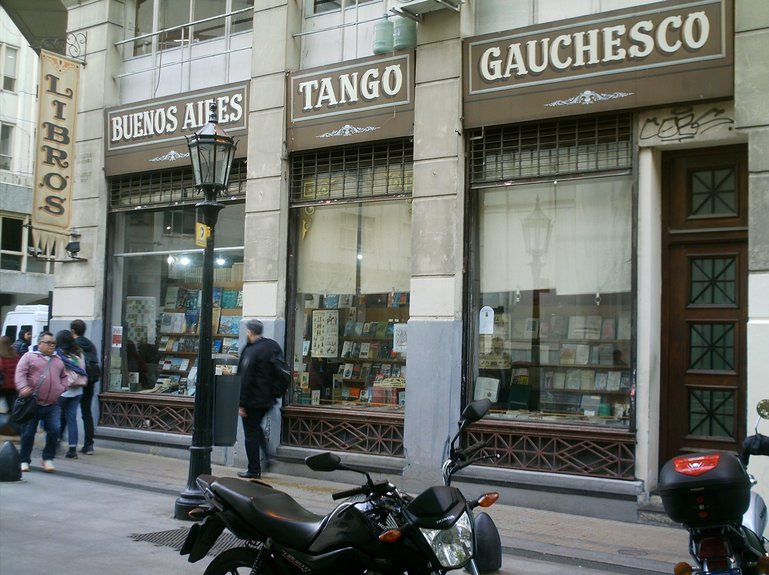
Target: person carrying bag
[{"x": 43, "y": 373}]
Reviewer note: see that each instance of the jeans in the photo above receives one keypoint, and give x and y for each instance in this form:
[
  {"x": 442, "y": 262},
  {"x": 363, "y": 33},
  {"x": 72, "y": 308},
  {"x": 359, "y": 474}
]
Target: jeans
[
  {"x": 87, "y": 414},
  {"x": 69, "y": 414},
  {"x": 254, "y": 437},
  {"x": 50, "y": 415}
]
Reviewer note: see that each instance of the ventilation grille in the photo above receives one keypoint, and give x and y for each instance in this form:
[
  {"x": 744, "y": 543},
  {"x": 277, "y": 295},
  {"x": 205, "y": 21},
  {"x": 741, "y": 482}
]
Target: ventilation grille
[
  {"x": 167, "y": 187},
  {"x": 353, "y": 173},
  {"x": 553, "y": 148}
]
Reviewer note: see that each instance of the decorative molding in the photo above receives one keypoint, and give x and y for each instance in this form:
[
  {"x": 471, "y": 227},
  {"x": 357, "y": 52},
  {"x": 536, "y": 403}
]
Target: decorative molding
[
  {"x": 348, "y": 130},
  {"x": 589, "y": 97},
  {"x": 171, "y": 156}
]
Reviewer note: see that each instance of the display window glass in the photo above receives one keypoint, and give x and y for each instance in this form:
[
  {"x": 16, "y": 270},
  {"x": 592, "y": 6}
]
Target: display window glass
[
  {"x": 155, "y": 303},
  {"x": 552, "y": 333},
  {"x": 352, "y": 305}
]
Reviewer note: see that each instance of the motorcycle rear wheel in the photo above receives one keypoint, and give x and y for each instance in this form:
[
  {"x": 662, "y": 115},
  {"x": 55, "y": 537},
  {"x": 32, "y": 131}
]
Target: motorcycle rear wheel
[{"x": 237, "y": 561}]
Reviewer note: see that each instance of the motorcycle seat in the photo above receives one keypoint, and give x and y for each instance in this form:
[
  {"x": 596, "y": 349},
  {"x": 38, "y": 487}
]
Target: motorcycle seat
[{"x": 272, "y": 512}]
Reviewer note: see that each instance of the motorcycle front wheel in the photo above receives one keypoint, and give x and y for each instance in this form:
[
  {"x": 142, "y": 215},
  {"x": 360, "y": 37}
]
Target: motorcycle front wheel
[{"x": 238, "y": 561}]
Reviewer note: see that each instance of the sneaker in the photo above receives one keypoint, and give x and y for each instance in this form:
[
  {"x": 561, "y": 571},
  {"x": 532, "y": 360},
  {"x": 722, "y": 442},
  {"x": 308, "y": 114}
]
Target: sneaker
[
  {"x": 48, "y": 466},
  {"x": 72, "y": 453},
  {"x": 24, "y": 467},
  {"x": 87, "y": 450}
]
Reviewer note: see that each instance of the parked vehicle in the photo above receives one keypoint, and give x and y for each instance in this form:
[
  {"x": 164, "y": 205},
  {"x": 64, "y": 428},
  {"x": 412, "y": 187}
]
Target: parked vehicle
[
  {"x": 710, "y": 494},
  {"x": 377, "y": 529},
  {"x": 29, "y": 317}
]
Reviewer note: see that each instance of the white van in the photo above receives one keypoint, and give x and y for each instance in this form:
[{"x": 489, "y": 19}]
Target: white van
[{"x": 34, "y": 317}]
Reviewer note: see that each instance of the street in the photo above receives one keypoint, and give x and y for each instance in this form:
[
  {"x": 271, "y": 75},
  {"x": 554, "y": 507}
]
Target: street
[{"x": 86, "y": 527}]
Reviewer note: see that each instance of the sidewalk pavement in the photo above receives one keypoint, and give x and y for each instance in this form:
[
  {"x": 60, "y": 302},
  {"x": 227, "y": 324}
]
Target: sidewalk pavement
[{"x": 581, "y": 542}]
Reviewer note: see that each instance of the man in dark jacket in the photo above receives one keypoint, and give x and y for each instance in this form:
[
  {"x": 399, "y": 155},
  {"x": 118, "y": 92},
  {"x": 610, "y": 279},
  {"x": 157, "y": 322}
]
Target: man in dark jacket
[
  {"x": 77, "y": 327},
  {"x": 257, "y": 395}
]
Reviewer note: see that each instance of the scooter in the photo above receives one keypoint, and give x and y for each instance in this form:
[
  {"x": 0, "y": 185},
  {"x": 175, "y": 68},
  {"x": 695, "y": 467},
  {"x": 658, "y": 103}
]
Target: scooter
[
  {"x": 377, "y": 529},
  {"x": 710, "y": 494}
]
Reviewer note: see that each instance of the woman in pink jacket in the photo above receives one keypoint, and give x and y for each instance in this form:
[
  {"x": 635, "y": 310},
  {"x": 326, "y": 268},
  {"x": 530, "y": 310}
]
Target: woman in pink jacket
[{"x": 44, "y": 369}]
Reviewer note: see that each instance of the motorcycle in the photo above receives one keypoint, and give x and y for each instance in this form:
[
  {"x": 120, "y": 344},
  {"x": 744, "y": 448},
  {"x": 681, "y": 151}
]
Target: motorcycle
[
  {"x": 710, "y": 494},
  {"x": 377, "y": 529}
]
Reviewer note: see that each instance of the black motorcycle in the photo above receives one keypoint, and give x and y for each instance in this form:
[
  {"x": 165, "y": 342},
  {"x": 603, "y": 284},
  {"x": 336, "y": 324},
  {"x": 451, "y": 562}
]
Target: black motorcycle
[
  {"x": 377, "y": 529},
  {"x": 710, "y": 494}
]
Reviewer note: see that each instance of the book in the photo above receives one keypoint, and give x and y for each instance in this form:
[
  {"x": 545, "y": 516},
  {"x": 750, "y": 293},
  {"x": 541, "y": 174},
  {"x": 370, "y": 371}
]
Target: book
[
  {"x": 346, "y": 349},
  {"x": 172, "y": 293},
  {"x": 217, "y": 297},
  {"x": 486, "y": 387},
  {"x": 568, "y": 353},
  {"x": 573, "y": 379},
  {"x": 623, "y": 327},
  {"x": 191, "y": 320},
  {"x": 230, "y": 345},
  {"x": 613, "y": 380},
  {"x": 531, "y": 328},
  {"x": 229, "y": 324},
  {"x": 181, "y": 298},
  {"x": 347, "y": 372},
  {"x": 601, "y": 380},
  {"x": 607, "y": 328},
  {"x": 593, "y": 324},
  {"x": 365, "y": 350},
  {"x": 172, "y": 322},
  {"x": 587, "y": 379},
  {"x": 582, "y": 354},
  {"x": 229, "y": 299},
  {"x": 559, "y": 379},
  {"x": 365, "y": 371},
  {"x": 590, "y": 404},
  {"x": 577, "y": 327},
  {"x": 331, "y": 301},
  {"x": 559, "y": 326},
  {"x": 216, "y": 346}
]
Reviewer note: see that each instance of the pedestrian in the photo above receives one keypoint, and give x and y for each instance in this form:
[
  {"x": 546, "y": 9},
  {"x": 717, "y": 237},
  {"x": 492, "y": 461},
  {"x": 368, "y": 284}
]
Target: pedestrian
[
  {"x": 43, "y": 370},
  {"x": 9, "y": 359},
  {"x": 257, "y": 377},
  {"x": 21, "y": 345},
  {"x": 77, "y": 378},
  {"x": 93, "y": 370}
]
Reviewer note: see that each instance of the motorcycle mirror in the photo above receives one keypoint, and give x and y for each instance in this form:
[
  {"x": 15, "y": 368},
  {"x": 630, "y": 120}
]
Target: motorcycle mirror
[
  {"x": 763, "y": 409},
  {"x": 476, "y": 410},
  {"x": 323, "y": 462}
]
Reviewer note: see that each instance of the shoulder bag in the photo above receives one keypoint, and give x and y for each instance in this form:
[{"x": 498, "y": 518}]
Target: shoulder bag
[{"x": 25, "y": 408}]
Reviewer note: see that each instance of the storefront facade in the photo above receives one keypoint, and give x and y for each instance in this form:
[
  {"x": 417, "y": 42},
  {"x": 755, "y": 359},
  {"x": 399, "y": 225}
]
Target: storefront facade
[{"x": 551, "y": 213}]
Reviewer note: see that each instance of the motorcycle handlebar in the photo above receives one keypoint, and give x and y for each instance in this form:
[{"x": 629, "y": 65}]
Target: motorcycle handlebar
[
  {"x": 469, "y": 451},
  {"x": 754, "y": 445},
  {"x": 350, "y": 493}
]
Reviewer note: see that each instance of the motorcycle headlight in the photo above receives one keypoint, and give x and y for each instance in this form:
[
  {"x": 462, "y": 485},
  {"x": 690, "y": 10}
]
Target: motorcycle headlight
[{"x": 453, "y": 546}]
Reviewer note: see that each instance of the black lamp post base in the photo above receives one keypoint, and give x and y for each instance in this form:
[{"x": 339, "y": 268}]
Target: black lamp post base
[{"x": 186, "y": 502}]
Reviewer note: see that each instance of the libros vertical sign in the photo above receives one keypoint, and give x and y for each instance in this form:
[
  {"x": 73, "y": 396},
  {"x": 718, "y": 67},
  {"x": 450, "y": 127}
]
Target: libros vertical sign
[{"x": 55, "y": 146}]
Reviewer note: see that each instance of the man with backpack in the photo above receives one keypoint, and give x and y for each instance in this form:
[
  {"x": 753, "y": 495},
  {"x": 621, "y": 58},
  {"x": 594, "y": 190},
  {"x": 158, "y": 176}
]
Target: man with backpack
[
  {"x": 93, "y": 371},
  {"x": 262, "y": 372}
]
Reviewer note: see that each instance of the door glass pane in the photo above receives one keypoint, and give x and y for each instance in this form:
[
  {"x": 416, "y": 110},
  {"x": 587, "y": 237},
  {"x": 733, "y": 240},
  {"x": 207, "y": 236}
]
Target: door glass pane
[
  {"x": 711, "y": 413},
  {"x": 713, "y": 193},
  {"x": 711, "y": 346},
  {"x": 714, "y": 281}
]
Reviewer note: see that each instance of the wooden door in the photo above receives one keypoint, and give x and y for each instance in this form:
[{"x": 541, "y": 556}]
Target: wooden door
[{"x": 704, "y": 300}]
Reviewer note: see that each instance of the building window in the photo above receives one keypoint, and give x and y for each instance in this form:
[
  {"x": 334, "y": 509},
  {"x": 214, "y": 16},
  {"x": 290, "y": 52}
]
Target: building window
[
  {"x": 9, "y": 56},
  {"x": 6, "y": 146},
  {"x": 551, "y": 332},
  {"x": 323, "y": 6},
  {"x": 15, "y": 238},
  {"x": 155, "y": 304},
  {"x": 177, "y": 22},
  {"x": 351, "y": 305}
]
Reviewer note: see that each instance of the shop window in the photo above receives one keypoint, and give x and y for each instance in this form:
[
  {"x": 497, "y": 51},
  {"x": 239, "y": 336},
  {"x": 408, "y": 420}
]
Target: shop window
[
  {"x": 551, "y": 332},
  {"x": 155, "y": 303},
  {"x": 353, "y": 275}
]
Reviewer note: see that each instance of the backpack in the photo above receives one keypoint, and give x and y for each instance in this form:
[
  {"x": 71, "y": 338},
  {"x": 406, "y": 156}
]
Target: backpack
[
  {"x": 92, "y": 369},
  {"x": 281, "y": 375}
]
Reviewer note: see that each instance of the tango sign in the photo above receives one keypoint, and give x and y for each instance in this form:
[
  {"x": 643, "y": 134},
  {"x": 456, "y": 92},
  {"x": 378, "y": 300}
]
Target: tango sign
[{"x": 55, "y": 146}]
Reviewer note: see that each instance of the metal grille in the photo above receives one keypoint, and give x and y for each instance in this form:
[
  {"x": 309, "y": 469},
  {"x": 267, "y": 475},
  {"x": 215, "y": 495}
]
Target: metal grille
[
  {"x": 559, "y": 450},
  {"x": 164, "y": 414},
  {"x": 343, "y": 431},
  {"x": 166, "y": 187},
  {"x": 553, "y": 148},
  {"x": 353, "y": 173},
  {"x": 175, "y": 539}
]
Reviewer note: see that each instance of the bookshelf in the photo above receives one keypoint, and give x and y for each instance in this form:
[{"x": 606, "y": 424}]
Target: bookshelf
[
  {"x": 355, "y": 352},
  {"x": 178, "y": 336}
]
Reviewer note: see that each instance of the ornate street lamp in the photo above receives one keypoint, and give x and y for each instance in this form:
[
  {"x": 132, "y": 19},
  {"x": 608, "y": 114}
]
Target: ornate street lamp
[
  {"x": 211, "y": 152},
  {"x": 537, "y": 228}
]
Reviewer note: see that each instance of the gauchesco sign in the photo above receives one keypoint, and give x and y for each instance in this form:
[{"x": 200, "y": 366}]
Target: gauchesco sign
[{"x": 658, "y": 53}]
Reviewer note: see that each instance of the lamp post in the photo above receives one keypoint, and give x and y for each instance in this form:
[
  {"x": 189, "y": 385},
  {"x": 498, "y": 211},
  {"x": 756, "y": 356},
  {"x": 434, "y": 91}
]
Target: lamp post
[
  {"x": 537, "y": 228},
  {"x": 211, "y": 153}
]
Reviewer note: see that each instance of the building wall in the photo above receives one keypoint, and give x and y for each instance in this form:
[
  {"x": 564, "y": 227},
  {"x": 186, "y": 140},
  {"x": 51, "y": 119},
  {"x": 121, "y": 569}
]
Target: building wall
[{"x": 751, "y": 83}]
